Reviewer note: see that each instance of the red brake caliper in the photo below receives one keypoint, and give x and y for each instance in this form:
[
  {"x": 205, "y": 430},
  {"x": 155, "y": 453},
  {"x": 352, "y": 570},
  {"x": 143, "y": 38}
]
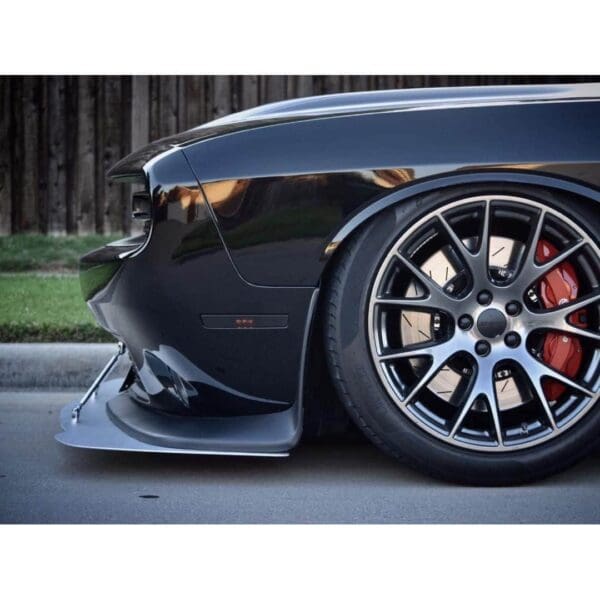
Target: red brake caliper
[{"x": 561, "y": 351}]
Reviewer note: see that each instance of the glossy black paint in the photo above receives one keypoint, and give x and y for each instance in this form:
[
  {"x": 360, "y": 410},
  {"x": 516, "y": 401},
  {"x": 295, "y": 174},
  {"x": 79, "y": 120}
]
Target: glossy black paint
[
  {"x": 248, "y": 212},
  {"x": 298, "y": 183},
  {"x": 156, "y": 301},
  {"x": 134, "y": 166}
]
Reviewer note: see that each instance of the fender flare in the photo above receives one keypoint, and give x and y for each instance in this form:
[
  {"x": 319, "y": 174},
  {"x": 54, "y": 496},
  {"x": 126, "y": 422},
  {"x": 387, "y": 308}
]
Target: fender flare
[{"x": 443, "y": 181}]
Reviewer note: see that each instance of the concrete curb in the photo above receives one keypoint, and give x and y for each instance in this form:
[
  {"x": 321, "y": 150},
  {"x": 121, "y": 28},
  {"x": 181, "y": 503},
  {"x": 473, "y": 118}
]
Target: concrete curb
[{"x": 52, "y": 365}]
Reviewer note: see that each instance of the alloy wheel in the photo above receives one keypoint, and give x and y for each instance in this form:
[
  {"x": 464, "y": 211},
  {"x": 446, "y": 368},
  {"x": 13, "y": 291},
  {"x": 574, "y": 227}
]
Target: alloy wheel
[{"x": 483, "y": 323}]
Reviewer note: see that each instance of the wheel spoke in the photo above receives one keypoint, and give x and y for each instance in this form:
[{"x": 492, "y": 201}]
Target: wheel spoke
[
  {"x": 538, "y": 388},
  {"x": 492, "y": 403},
  {"x": 482, "y": 385},
  {"x": 440, "y": 351},
  {"x": 437, "y": 297},
  {"x": 537, "y": 370},
  {"x": 424, "y": 303},
  {"x": 566, "y": 309},
  {"x": 569, "y": 329},
  {"x": 408, "y": 353},
  {"x": 438, "y": 360},
  {"x": 528, "y": 266},
  {"x": 429, "y": 375},
  {"x": 466, "y": 407},
  {"x": 485, "y": 386},
  {"x": 468, "y": 258},
  {"x": 531, "y": 272},
  {"x": 475, "y": 262},
  {"x": 484, "y": 244},
  {"x": 471, "y": 393},
  {"x": 586, "y": 333},
  {"x": 556, "y": 318},
  {"x": 560, "y": 257},
  {"x": 534, "y": 238}
]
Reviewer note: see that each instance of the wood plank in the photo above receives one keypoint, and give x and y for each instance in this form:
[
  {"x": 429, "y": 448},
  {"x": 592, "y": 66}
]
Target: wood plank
[
  {"x": 236, "y": 92},
  {"x": 57, "y": 203},
  {"x": 140, "y": 111},
  {"x": 99, "y": 178},
  {"x": 181, "y": 103},
  {"x": 332, "y": 84},
  {"x": 222, "y": 96},
  {"x": 5, "y": 171},
  {"x": 390, "y": 82},
  {"x": 273, "y": 88},
  {"x": 360, "y": 83},
  {"x": 154, "y": 107},
  {"x": 167, "y": 105},
  {"x": 84, "y": 184},
  {"x": 71, "y": 102},
  {"x": 249, "y": 95},
  {"x": 112, "y": 121},
  {"x": 43, "y": 152},
  {"x": 290, "y": 86},
  {"x": 319, "y": 85},
  {"x": 125, "y": 136},
  {"x": 209, "y": 101},
  {"x": 304, "y": 86},
  {"x": 413, "y": 81},
  {"x": 195, "y": 100},
  {"x": 31, "y": 108},
  {"x": 16, "y": 154}
]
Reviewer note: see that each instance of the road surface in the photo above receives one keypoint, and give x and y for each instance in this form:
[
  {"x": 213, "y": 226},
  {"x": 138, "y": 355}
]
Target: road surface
[{"x": 331, "y": 481}]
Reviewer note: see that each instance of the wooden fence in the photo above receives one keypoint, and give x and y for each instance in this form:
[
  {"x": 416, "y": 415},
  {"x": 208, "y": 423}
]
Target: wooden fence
[{"x": 59, "y": 135}]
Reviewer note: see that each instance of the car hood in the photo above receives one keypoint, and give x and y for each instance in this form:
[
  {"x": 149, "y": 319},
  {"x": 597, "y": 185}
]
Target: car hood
[{"x": 132, "y": 167}]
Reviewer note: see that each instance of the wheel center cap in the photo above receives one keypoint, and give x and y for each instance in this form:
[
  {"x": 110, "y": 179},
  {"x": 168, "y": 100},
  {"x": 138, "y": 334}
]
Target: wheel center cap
[{"x": 491, "y": 323}]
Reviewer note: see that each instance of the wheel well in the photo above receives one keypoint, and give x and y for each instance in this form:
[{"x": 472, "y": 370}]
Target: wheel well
[
  {"x": 579, "y": 191},
  {"x": 344, "y": 237},
  {"x": 324, "y": 413}
]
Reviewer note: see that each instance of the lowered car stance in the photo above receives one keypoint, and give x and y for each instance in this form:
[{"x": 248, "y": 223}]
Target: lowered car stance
[{"x": 427, "y": 260}]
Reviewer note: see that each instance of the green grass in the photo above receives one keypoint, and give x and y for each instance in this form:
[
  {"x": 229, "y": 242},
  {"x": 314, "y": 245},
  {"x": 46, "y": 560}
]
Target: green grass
[
  {"x": 45, "y": 308},
  {"x": 28, "y": 252}
]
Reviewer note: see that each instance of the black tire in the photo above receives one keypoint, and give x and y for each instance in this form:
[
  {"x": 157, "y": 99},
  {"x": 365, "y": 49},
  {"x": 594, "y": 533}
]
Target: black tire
[{"x": 360, "y": 389}]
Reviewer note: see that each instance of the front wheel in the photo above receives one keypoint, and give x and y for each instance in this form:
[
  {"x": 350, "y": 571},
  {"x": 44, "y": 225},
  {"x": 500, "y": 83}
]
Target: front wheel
[{"x": 462, "y": 332}]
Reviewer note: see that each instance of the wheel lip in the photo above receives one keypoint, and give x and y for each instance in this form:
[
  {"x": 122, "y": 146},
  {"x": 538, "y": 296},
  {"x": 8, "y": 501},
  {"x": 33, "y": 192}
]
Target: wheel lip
[{"x": 499, "y": 301}]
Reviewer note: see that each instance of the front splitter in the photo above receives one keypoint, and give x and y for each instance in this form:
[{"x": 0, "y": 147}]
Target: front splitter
[{"x": 95, "y": 430}]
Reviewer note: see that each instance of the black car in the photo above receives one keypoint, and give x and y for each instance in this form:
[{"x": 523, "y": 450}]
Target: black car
[{"x": 428, "y": 259}]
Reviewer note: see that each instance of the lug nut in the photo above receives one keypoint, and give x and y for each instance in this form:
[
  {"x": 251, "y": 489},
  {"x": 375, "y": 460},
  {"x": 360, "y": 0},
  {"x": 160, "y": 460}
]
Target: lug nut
[
  {"x": 513, "y": 308},
  {"x": 465, "y": 322},
  {"x": 484, "y": 297},
  {"x": 512, "y": 339},
  {"x": 482, "y": 348}
]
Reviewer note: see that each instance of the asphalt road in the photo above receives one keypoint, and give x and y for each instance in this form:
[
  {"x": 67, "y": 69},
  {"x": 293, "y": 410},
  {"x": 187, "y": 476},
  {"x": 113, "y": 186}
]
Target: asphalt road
[{"x": 331, "y": 481}]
